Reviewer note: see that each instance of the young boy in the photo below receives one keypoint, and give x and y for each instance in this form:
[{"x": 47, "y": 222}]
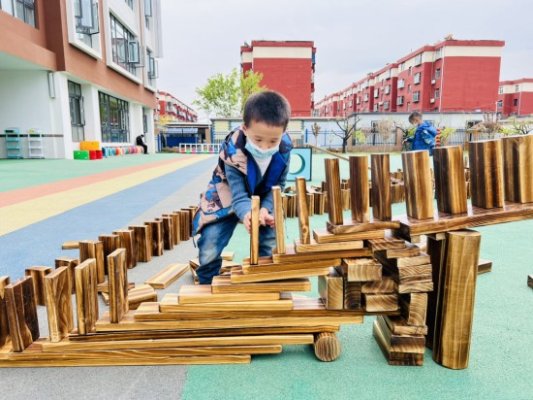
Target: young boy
[
  {"x": 252, "y": 159},
  {"x": 425, "y": 134}
]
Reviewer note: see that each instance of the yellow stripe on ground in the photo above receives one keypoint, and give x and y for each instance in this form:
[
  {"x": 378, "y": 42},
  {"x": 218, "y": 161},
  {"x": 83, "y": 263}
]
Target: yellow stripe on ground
[{"x": 25, "y": 213}]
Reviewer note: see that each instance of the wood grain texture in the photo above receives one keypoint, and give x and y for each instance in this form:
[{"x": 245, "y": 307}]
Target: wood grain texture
[
  {"x": 222, "y": 284},
  {"x": 349, "y": 227},
  {"x": 386, "y": 243},
  {"x": 361, "y": 269},
  {"x": 359, "y": 188},
  {"x": 239, "y": 277},
  {"x": 22, "y": 313},
  {"x": 58, "y": 294},
  {"x": 140, "y": 294},
  {"x": 143, "y": 242},
  {"x": 484, "y": 266},
  {"x": 380, "y": 189},
  {"x": 110, "y": 243},
  {"x": 409, "y": 250},
  {"x": 303, "y": 211},
  {"x": 398, "y": 326},
  {"x": 384, "y": 286},
  {"x": 279, "y": 219},
  {"x": 118, "y": 285},
  {"x": 157, "y": 237},
  {"x": 418, "y": 186},
  {"x": 4, "y": 322},
  {"x": 196, "y": 294},
  {"x": 266, "y": 264},
  {"x": 450, "y": 183},
  {"x": 254, "y": 231},
  {"x": 455, "y": 302},
  {"x": 127, "y": 241},
  {"x": 176, "y": 227},
  {"x": 168, "y": 233},
  {"x": 397, "y": 354},
  {"x": 327, "y": 346},
  {"x": 223, "y": 309},
  {"x": 315, "y": 247},
  {"x": 486, "y": 173},
  {"x": 70, "y": 263},
  {"x": 70, "y": 245},
  {"x": 380, "y": 302},
  {"x": 331, "y": 290},
  {"x": 414, "y": 308},
  {"x": 94, "y": 249},
  {"x": 185, "y": 223},
  {"x": 323, "y": 236},
  {"x": 333, "y": 186},
  {"x": 37, "y": 274},
  {"x": 291, "y": 255},
  {"x": 518, "y": 168},
  {"x": 167, "y": 276},
  {"x": 85, "y": 276}
]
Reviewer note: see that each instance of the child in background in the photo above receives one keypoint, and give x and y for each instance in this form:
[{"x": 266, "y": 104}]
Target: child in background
[
  {"x": 252, "y": 159},
  {"x": 425, "y": 134}
]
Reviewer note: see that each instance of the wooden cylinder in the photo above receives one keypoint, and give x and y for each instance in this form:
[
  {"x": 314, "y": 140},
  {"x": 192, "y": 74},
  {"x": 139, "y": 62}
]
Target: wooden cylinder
[
  {"x": 450, "y": 183},
  {"x": 303, "y": 211},
  {"x": 143, "y": 242},
  {"x": 486, "y": 173},
  {"x": 333, "y": 183},
  {"x": 455, "y": 302},
  {"x": 380, "y": 191},
  {"x": 518, "y": 168},
  {"x": 279, "y": 220},
  {"x": 254, "y": 231},
  {"x": 37, "y": 274},
  {"x": 94, "y": 249},
  {"x": 327, "y": 346},
  {"x": 359, "y": 188},
  {"x": 418, "y": 186},
  {"x": 127, "y": 242}
]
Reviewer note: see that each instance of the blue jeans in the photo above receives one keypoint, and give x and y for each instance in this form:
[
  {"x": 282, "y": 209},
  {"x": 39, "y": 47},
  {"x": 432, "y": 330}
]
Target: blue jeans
[{"x": 215, "y": 237}]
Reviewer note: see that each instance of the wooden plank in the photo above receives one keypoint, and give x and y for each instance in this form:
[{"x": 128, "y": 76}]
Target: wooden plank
[
  {"x": 380, "y": 189},
  {"x": 303, "y": 211},
  {"x": 127, "y": 241},
  {"x": 313, "y": 246},
  {"x": 140, "y": 294},
  {"x": 222, "y": 284},
  {"x": 267, "y": 265},
  {"x": 361, "y": 269},
  {"x": 386, "y": 243},
  {"x": 359, "y": 189},
  {"x": 254, "y": 230},
  {"x": 143, "y": 242},
  {"x": 21, "y": 313},
  {"x": 168, "y": 233},
  {"x": 4, "y": 322},
  {"x": 484, "y": 266},
  {"x": 94, "y": 249},
  {"x": 292, "y": 256},
  {"x": 185, "y": 223},
  {"x": 196, "y": 294},
  {"x": 384, "y": 286},
  {"x": 203, "y": 309},
  {"x": 327, "y": 347},
  {"x": 167, "y": 276},
  {"x": 157, "y": 237},
  {"x": 414, "y": 308},
  {"x": 401, "y": 343},
  {"x": 58, "y": 294},
  {"x": 110, "y": 243},
  {"x": 331, "y": 290},
  {"x": 398, "y": 326},
  {"x": 381, "y": 302},
  {"x": 333, "y": 184},
  {"x": 323, "y": 236},
  {"x": 239, "y": 277},
  {"x": 394, "y": 355},
  {"x": 118, "y": 285},
  {"x": 37, "y": 274},
  {"x": 410, "y": 250},
  {"x": 450, "y": 183},
  {"x": 86, "y": 296},
  {"x": 418, "y": 186},
  {"x": 176, "y": 227},
  {"x": 455, "y": 302},
  {"x": 70, "y": 263},
  {"x": 227, "y": 255},
  {"x": 70, "y": 245},
  {"x": 350, "y": 227},
  {"x": 402, "y": 262},
  {"x": 518, "y": 168},
  {"x": 486, "y": 173}
]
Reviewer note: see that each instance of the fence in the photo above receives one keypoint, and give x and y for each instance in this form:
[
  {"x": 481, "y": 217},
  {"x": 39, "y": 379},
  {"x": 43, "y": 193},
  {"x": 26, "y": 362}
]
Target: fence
[{"x": 199, "y": 148}]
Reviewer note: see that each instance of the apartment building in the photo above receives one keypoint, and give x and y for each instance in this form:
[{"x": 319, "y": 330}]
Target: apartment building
[
  {"x": 515, "y": 97},
  {"x": 175, "y": 109}
]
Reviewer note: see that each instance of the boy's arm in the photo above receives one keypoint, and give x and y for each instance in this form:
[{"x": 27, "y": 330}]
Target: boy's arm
[
  {"x": 241, "y": 202},
  {"x": 268, "y": 200}
]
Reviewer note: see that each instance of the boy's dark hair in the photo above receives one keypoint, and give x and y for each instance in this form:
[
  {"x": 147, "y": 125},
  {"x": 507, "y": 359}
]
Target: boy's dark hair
[
  {"x": 269, "y": 107},
  {"x": 414, "y": 114}
]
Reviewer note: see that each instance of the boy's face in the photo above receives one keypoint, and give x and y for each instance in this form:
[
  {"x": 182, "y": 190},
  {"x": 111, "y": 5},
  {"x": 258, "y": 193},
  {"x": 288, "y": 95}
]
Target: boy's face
[
  {"x": 262, "y": 135},
  {"x": 416, "y": 120}
]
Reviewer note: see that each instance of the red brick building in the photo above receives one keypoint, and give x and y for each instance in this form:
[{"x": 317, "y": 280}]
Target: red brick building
[
  {"x": 516, "y": 97},
  {"x": 452, "y": 75},
  {"x": 287, "y": 67},
  {"x": 175, "y": 109}
]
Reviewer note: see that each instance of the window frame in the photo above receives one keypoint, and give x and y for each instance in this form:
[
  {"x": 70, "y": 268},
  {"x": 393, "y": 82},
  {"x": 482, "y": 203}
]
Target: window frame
[
  {"x": 76, "y": 98},
  {"x": 119, "y": 123}
]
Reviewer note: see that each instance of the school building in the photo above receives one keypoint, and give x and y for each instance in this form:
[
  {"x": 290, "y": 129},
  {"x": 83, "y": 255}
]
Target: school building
[
  {"x": 287, "y": 67},
  {"x": 449, "y": 76},
  {"x": 174, "y": 109},
  {"x": 76, "y": 70},
  {"x": 515, "y": 98}
]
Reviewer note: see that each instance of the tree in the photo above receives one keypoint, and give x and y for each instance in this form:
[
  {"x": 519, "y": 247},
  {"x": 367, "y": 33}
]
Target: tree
[
  {"x": 316, "y": 130},
  {"x": 521, "y": 127},
  {"x": 348, "y": 129},
  {"x": 250, "y": 84}
]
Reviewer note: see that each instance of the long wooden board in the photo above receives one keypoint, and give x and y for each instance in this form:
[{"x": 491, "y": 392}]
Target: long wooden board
[
  {"x": 21, "y": 312},
  {"x": 222, "y": 284},
  {"x": 59, "y": 303},
  {"x": 266, "y": 264},
  {"x": 324, "y": 236},
  {"x": 291, "y": 255},
  {"x": 316, "y": 247},
  {"x": 350, "y": 227},
  {"x": 239, "y": 277},
  {"x": 167, "y": 276},
  {"x": 196, "y": 294}
]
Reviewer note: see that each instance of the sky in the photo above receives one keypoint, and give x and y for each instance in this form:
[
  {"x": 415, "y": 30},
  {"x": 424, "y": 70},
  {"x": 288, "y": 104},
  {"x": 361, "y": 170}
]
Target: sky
[{"x": 203, "y": 37}]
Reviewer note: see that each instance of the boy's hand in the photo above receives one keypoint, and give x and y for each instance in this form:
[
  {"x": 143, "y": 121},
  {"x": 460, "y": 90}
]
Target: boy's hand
[
  {"x": 265, "y": 218},
  {"x": 247, "y": 221}
]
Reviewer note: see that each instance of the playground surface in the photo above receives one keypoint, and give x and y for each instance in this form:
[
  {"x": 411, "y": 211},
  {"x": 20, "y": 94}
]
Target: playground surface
[{"x": 47, "y": 202}]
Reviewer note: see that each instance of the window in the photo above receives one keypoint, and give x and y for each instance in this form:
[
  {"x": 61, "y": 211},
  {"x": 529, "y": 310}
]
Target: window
[
  {"x": 387, "y": 89},
  {"x": 366, "y": 97},
  {"x": 437, "y": 73},
  {"x": 386, "y": 105},
  {"x": 409, "y": 88},
  {"x": 376, "y": 93},
  {"x": 124, "y": 47},
  {"x": 438, "y": 54},
  {"x": 516, "y": 88},
  {"x": 77, "y": 115},
  {"x": 399, "y": 100},
  {"x": 86, "y": 14},
  {"x": 358, "y": 101},
  {"x": 114, "y": 118},
  {"x": 410, "y": 71},
  {"x": 515, "y": 102},
  {"x": 417, "y": 78},
  {"x": 145, "y": 123},
  {"x": 500, "y": 103},
  {"x": 148, "y": 13},
  {"x": 375, "y": 107},
  {"x": 401, "y": 83},
  {"x": 418, "y": 59},
  {"x": 153, "y": 72},
  {"x": 437, "y": 93},
  {"x": 500, "y": 90},
  {"x": 416, "y": 97},
  {"x": 25, "y": 10},
  {"x": 129, "y": 3}
]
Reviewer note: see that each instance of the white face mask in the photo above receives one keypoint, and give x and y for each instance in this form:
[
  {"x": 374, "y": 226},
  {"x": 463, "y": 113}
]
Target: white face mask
[{"x": 259, "y": 153}]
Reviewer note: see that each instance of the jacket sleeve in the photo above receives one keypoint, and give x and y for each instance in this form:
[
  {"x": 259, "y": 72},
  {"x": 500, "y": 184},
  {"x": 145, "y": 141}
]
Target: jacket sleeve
[
  {"x": 428, "y": 134},
  {"x": 241, "y": 202},
  {"x": 268, "y": 201}
]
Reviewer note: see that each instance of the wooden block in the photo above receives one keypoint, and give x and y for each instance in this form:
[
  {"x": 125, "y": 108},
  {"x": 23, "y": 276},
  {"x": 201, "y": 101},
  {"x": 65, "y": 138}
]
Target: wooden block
[
  {"x": 384, "y": 286},
  {"x": 167, "y": 276},
  {"x": 396, "y": 355},
  {"x": 85, "y": 276},
  {"x": 21, "y": 312},
  {"x": 140, "y": 294},
  {"x": 450, "y": 184},
  {"x": 291, "y": 256},
  {"x": 414, "y": 308},
  {"x": 402, "y": 262},
  {"x": 334, "y": 191},
  {"x": 127, "y": 242},
  {"x": 70, "y": 245},
  {"x": 157, "y": 237},
  {"x": 279, "y": 220},
  {"x": 455, "y": 302},
  {"x": 254, "y": 231},
  {"x": 267, "y": 265},
  {"x": 311, "y": 204},
  {"x": 323, "y": 236},
  {"x": 104, "y": 287},
  {"x": 168, "y": 233},
  {"x": 331, "y": 289},
  {"x": 386, "y": 243},
  {"x": 380, "y": 189},
  {"x": 486, "y": 173},
  {"x": 4, "y": 322},
  {"x": 353, "y": 298},
  {"x": 185, "y": 225},
  {"x": 227, "y": 255},
  {"x": 37, "y": 274},
  {"x": 111, "y": 243},
  {"x": 518, "y": 168},
  {"x": 327, "y": 347},
  {"x": 58, "y": 295},
  {"x": 380, "y": 302},
  {"x": 359, "y": 189},
  {"x": 222, "y": 284},
  {"x": 222, "y": 308},
  {"x": 94, "y": 249},
  {"x": 70, "y": 263},
  {"x": 350, "y": 227},
  {"x": 303, "y": 211},
  {"x": 409, "y": 250},
  {"x": 313, "y": 246},
  {"x": 346, "y": 201},
  {"x": 418, "y": 187},
  {"x": 361, "y": 269},
  {"x": 398, "y": 326},
  {"x": 176, "y": 227},
  {"x": 192, "y": 294},
  {"x": 239, "y": 277},
  {"x": 484, "y": 266},
  {"x": 143, "y": 242},
  {"x": 118, "y": 285}
]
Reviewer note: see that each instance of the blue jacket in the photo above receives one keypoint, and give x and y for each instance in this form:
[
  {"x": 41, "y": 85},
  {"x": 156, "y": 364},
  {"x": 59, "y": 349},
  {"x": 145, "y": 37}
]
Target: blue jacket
[{"x": 424, "y": 137}]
